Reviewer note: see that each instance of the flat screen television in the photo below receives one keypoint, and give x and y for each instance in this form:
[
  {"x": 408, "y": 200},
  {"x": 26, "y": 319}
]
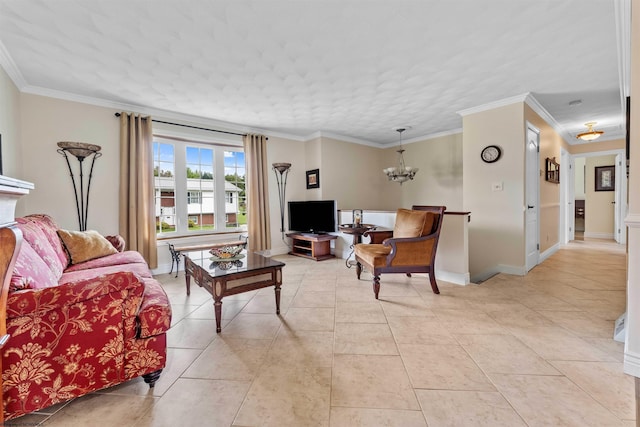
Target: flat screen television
[{"x": 313, "y": 216}]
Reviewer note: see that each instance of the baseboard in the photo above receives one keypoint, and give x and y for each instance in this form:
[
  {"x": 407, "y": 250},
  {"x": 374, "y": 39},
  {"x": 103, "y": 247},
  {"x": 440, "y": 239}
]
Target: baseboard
[
  {"x": 513, "y": 269},
  {"x": 632, "y": 364},
  {"x": 546, "y": 254},
  {"x": 596, "y": 235},
  {"x": 456, "y": 278},
  {"x": 500, "y": 268},
  {"x": 164, "y": 268}
]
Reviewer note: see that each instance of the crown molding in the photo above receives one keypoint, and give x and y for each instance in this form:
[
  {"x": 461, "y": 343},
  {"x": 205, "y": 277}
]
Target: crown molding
[
  {"x": 320, "y": 134},
  {"x": 528, "y": 99},
  {"x": 493, "y": 105},
  {"x": 429, "y": 136},
  {"x": 155, "y": 112},
  {"x": 12, "y": 70},
  {"x": 533, "y": 103}
]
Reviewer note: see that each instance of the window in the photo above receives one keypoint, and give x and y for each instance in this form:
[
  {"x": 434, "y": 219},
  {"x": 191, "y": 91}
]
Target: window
[
  {"x": 236, "y": 197},
  {"x": 165, "y": 190},
  {"x": 194, "y": 197},
  {"x": 194, "y": 181}
]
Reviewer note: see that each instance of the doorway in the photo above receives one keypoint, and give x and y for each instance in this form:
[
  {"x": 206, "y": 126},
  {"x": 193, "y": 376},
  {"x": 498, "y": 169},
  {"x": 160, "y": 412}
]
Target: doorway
[{"x": 591, "y": 210}]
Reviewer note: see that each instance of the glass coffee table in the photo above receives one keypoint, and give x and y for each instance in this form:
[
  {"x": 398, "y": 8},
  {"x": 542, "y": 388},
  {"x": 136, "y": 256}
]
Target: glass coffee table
[{"x": 242, "y": 273}]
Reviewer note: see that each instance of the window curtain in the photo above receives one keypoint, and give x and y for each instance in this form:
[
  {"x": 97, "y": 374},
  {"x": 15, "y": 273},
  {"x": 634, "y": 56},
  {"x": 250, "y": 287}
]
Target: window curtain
[
  {"x": 137, "y": 212},
  {"x": 255, "y": 151}
]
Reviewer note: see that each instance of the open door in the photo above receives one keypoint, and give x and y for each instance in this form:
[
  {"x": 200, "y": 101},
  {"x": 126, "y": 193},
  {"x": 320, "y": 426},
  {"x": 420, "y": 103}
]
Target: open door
[{"x": 532, "y": 196}]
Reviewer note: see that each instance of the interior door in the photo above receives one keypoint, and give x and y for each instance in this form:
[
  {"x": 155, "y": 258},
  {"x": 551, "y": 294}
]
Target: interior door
[{"x": 532, "y": 197}]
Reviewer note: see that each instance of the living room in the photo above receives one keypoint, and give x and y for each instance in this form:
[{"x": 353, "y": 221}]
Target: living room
[{"x": 451, "y": 171}]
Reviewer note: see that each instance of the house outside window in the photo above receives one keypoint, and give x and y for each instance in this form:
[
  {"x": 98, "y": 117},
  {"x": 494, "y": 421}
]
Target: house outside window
[{"x": 195, "y": 180}]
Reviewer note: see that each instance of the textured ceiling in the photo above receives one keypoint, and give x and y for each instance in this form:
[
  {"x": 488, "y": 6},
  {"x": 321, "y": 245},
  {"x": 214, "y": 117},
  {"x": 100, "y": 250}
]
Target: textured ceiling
[{"x": 355, "y": 68}]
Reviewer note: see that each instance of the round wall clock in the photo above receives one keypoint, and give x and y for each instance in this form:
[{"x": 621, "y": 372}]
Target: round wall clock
[{"x": 491, "y": 153}]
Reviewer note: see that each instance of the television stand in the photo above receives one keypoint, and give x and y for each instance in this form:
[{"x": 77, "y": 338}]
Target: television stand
[{"x": 312, "y": 246}]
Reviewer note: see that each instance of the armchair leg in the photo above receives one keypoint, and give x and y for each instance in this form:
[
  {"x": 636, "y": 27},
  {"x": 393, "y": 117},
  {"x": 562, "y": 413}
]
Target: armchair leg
[
  {"x": 376, "y": 285},
  {"x": 358, "y": 269},
  {"x": 432, "y": 279},
  {"x": 152, "y": 377},
  {"x": 408, "y": 274}
]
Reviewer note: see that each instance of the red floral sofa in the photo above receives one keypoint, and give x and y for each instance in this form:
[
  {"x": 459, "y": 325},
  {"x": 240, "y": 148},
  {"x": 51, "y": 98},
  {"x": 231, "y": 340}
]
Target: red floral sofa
[{"x": 76, "y": 328}]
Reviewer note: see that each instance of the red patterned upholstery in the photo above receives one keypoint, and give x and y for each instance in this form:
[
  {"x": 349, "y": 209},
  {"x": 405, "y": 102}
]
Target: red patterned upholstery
[{"x": 101, "y": 324}]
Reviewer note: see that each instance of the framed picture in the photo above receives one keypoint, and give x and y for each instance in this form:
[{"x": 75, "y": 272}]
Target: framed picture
[
  {"x": 605, "y": 178},
  {"x": 552, "y": 170},
  {"x": 313, "y": 178}
]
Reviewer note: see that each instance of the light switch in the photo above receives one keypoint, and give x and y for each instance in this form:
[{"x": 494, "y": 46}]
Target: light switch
[{"x": 496, "y": 186}]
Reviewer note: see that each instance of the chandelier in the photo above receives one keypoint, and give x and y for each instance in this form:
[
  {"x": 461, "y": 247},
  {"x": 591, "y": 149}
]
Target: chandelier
[
  {"x": 400, "y": 173},
  {"x": 590, "y": 134}
]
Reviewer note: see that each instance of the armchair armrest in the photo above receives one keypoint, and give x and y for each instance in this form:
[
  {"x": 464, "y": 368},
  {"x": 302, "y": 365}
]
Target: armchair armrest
[
  {"x": 378, "y": 236},
  {"x": 122, "y": 285},
  {"x": 411, "y": 250}
]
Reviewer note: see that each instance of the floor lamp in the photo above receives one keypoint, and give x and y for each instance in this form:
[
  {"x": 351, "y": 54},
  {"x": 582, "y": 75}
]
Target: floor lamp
[
  {"x": 81, "y": 151},
  {"x": 281, "y": 170}
]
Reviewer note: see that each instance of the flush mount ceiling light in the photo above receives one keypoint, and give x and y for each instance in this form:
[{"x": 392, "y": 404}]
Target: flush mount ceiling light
[
  {"x": 400, "y": 173},
  {"x": 590, "y": 134}
]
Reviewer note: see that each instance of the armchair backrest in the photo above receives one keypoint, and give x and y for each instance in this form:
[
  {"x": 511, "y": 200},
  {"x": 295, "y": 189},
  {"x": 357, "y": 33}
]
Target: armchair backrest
[
  {"x": 433, "y": 222},
  {"x": 418, "y": 221}
]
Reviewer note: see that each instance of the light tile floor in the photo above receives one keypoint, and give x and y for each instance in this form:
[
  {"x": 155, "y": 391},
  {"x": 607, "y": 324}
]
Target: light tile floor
[{"x": 513, "y": 351}]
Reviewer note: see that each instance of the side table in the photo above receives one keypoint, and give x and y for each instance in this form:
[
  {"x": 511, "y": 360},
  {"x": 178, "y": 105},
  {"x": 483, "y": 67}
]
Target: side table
[{"x": 356, "y": 230}]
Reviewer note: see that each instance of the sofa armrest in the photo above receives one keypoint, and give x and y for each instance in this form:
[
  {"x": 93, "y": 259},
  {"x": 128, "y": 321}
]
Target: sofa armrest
[
  {"x": 30, "y": 301},
  {"x": 411, "y": 250},
  {"x": 117, "y": 242}
]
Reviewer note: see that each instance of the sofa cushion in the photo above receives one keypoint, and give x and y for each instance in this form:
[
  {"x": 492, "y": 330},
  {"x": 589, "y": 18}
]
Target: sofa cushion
[
  {"x": 409, "y": 223},
  {"x": 33, "y": 233},
  {"x": 30, "y": 271},
  {"x": 120, "y": 258},
  {"x": 49, "y": 228},
  {"x": 374, "y": 255},
  {"x": 140, "y": 269},
  {"x": 85, "y": 245}
]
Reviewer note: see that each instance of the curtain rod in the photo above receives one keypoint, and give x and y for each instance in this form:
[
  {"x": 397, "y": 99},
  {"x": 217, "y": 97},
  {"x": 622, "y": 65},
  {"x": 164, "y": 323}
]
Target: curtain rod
[{"x": 193, "y": 127}]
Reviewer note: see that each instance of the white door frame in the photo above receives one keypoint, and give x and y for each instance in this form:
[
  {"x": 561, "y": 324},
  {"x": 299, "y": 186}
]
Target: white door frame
[
  {"x": 532, "y": 199},
  {"x": 620, "y": 231},
  {"x": 620, "y": 190}
]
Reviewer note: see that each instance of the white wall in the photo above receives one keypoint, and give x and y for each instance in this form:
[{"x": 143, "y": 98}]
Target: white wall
[
  {"x": 497, "y": 217},
  {"x": 632, "y": 337},
  {"x": 10, "y": 132},
  {"x": 46, "y": 121},
  {"x": 599, "y": 208},
  {"x": 439, "y": 180}
]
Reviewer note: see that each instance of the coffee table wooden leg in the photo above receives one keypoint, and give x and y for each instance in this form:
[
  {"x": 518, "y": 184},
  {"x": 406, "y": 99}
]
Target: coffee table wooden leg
[
  {"x": 187, "y": 280},
  {"x": 277, "y": 290},
  {"x": 217, "y": 305}
]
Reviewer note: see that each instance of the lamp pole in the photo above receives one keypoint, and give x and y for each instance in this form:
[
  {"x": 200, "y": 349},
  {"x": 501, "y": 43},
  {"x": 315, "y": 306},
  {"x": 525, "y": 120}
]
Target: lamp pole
[
  {"x": 81, "y": 151},
  {"x": 281, "y": 170}
]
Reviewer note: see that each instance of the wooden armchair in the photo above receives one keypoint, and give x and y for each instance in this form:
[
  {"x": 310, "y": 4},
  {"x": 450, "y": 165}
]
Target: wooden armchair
[{"x": 409, "y": 248}]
